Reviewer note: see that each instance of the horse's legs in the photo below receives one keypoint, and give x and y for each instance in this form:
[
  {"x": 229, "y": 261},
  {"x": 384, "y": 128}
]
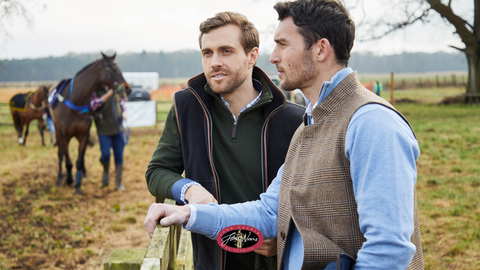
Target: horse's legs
[
  {"x": 63, "y": 147},
  {"x": 62, "y": 151},
  {"x": 82, "y": 147},
  {"x": 27, "y": 124},
  {"x": 69, "y": 165},
  {"x": 17, "y": 123},
  {"x": 41, "y": 127},
  {"x": 60, "y": 161}
]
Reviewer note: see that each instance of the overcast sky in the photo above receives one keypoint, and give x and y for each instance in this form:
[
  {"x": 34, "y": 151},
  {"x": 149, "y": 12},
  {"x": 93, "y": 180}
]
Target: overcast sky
[{"x": 64, "y": 26}]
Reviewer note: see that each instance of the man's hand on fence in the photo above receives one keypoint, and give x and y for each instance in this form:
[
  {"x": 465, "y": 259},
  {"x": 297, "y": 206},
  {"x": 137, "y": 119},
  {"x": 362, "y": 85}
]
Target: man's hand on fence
[
  {"x": 199, "y": 195},
  {"x": 168, "y": 215},
  {"x": 268, "y": 248}
]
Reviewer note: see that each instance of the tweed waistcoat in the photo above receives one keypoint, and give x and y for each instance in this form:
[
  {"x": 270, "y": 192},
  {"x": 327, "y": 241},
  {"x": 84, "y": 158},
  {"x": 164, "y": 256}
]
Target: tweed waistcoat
[{"x": 317, "y": 191}]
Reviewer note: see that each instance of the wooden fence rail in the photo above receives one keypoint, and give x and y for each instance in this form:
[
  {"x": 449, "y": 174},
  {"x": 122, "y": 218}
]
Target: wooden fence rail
[
  {"x": 5, "y": 116},
  {"x": 26, "y": 84},
  {"x": 162, "y": 106},
  {"x": 170, "y": 249}
]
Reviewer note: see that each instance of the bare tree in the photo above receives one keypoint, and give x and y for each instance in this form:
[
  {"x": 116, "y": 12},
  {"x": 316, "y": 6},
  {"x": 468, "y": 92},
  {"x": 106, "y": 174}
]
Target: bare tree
[
  {"x": 408, "y": 12},
  {"x": 11, "y": 10}
]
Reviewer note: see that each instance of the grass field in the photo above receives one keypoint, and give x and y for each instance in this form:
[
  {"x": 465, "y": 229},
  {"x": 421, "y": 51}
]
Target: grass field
[
  {"x": 448, "y": 184},
  {"x": 44, "y": 227}
]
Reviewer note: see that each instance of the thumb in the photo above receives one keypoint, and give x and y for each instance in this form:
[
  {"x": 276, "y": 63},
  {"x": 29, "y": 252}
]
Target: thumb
[{"x": 165, "y": 222}]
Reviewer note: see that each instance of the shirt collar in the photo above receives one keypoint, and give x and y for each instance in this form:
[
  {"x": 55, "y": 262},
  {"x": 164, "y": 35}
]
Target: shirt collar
[
  {"x": 328, "y": 87},
  {"x": 257, "y": 85}
]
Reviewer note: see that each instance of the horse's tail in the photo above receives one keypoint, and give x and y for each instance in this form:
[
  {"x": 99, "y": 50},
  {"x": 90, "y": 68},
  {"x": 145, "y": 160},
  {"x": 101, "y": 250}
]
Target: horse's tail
[
  {"x": 16, "y": 119},
  {"x": 19, "y": 120}
]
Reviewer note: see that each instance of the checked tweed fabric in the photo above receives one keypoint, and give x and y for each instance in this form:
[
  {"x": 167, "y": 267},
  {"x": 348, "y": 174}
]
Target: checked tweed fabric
[{"x": 317, "y": 192}]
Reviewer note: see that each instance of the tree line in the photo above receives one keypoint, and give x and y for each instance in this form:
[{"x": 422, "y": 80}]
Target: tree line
[{"x": 183, "y": 64}]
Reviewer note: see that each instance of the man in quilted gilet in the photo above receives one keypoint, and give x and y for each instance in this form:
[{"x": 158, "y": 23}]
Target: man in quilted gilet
[
  {"x": 331, "y": 202},
  {"x": 229, "y": 131}
]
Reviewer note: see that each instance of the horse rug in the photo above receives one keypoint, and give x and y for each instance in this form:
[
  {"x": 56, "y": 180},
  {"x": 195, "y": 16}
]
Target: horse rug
[{"x": 19, "y": 102}]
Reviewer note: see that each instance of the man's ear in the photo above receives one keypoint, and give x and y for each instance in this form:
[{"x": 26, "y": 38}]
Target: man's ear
[
  {"x": 252, "y": 57},
  {"x": 322, "y": 49}
]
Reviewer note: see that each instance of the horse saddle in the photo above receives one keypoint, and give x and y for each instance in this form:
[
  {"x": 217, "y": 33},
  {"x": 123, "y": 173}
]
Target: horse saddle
[
  {"x": 56, "y": 94},
  {"x": 19, "y": 102}
]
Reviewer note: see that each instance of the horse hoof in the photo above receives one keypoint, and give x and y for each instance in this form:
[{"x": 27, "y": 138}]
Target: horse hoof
[
  {"x": 121, "y": 188},
  {"x": 78, "y": 191},
  {"x": 20, "y": 140},
  {"x": 69, "y": 182},
  {"x": 58, "y": 183}
]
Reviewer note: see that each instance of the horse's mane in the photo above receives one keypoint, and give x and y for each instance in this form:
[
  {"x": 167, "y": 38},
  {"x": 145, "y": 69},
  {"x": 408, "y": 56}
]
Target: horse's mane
[{"x": 87, "y": 66}]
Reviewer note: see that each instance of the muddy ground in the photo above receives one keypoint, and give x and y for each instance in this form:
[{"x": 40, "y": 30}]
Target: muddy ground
[{"x": 45, "y": 227}]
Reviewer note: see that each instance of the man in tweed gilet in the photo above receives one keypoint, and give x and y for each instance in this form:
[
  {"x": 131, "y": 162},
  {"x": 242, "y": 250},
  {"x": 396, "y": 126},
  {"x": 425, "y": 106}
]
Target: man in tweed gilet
[{"x": 347, "y": 188}]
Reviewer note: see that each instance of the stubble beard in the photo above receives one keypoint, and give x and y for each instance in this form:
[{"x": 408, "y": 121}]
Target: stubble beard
[
  {"x": 306, "y": 71},
  {"x": 235, "y": 80}
]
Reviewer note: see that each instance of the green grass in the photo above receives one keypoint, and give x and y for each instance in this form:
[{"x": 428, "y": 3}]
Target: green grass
[{"x": 448, "y": 183}]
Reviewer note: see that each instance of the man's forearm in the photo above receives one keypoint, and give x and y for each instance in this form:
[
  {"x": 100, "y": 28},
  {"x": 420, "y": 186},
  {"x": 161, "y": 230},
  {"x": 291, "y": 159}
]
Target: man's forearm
[
  {"x": 261, "y": 214},
  {"x": 160, "y": 182}
]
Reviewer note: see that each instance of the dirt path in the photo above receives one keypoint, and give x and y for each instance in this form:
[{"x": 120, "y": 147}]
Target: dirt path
[{"x": 44, "y": 227}]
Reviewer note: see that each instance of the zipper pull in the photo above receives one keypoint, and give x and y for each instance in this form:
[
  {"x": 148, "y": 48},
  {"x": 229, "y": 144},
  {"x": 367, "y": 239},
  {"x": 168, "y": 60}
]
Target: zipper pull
[{"x": 234, "y": 130}]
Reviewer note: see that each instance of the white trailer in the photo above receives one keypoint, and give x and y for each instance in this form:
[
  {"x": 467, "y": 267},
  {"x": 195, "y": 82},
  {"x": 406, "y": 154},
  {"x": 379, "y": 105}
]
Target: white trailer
[{"x": 147, "y": 80}]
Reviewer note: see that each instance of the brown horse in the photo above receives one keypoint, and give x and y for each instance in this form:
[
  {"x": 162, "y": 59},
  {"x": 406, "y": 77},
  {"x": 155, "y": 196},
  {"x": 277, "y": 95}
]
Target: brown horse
[
  {"x": 72, "y": 117},
  {"x": 32, "y": 107}
]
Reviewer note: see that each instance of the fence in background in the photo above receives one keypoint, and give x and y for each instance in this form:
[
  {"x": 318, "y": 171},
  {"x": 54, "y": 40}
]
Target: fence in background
[
  {"x": 162, "y": 109},
  {"x": 162, "y": 83},
  {"x": 439, "y": 81},
  {"x": 415, "y": 81},
  {"x": 402, "y": 81},
  {"x": 5, "y": 116},
  {"x": 26, "y": 84}
]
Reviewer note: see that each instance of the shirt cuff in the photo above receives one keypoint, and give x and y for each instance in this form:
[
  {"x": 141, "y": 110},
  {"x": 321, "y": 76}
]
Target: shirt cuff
[
  {"x": 180, "y": 188},
  {"x": 193, "y": 217}
]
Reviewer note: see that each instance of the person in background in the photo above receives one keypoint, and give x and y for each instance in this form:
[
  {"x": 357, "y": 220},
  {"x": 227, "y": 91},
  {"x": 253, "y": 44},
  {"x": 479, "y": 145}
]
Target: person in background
[
  {"x": 111, "y": 110},
  {"x": 229, "y": 131},
  {"x": 51, "y": 127},
  {"x": 330, "y": 205},
  {"x": 378, "y": 87}
]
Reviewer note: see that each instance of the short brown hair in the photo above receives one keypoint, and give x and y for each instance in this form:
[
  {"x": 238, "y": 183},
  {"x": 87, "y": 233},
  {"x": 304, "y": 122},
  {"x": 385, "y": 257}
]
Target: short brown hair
[
  {"x": 319, "y": 19},
  {"x": 250, "y": 37}
]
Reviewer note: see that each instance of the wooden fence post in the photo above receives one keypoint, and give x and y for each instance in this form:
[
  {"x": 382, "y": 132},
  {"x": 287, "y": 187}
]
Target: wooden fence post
[
  {"x": 166, "y": 243},
  {"x": 392, "y": 87},
  {"x": 156, "y": 114}
]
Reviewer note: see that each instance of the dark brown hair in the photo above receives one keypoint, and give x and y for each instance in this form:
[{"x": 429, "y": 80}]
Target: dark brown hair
[
  {"x": 250, "y": 37},
  {"x": 319, "y": 19}
]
